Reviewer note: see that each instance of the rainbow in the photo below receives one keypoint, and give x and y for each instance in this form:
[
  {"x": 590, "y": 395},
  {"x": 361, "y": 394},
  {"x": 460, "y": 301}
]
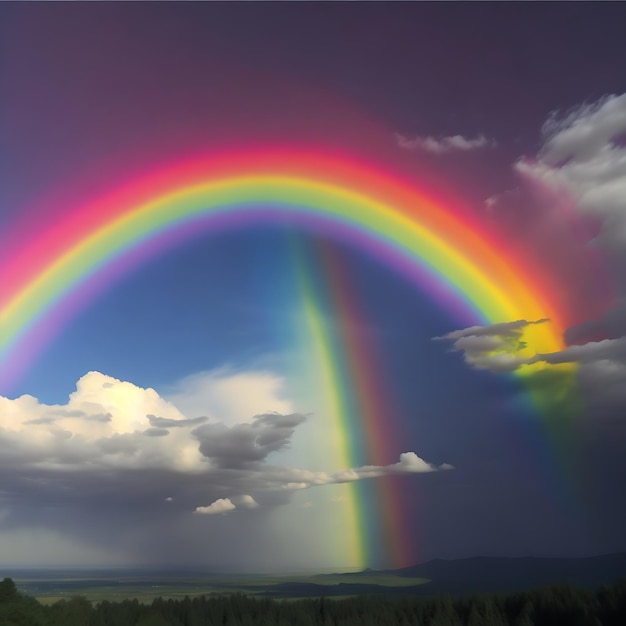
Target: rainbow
[
  {"x": 357, "y": 398},
  {"x": 50, "y": 269},
  {"x": 475, "y": 276}
]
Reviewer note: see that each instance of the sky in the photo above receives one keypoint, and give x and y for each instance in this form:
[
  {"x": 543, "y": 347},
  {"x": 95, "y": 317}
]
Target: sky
[{"x": 186, "y": 411}]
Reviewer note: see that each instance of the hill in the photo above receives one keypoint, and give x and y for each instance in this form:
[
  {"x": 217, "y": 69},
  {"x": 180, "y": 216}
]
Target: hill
[{"x": 491, "y": 574}]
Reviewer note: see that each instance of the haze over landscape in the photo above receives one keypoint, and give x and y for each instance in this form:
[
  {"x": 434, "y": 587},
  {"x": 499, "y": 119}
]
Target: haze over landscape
[{"x": 312, "y": 287}]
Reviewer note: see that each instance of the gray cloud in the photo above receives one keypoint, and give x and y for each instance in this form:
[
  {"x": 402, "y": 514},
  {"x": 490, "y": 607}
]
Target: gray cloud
[
  {"x": 503, "y": 329},
  {"x": 610, "y": 325},
  {"x": 66, "y": 413},
  {"x": 40, "y": 420},
  {"x": 164, "y": 422},
  {"x": 453, "y": 143},
  {"x": 600, "y": 375},
  {"x": 603, "y": 363},
  {"x": 245, "y": 445},
  {"x": 607, "y": 349},
  {"x": 584, "y": 158},
  {"x": 494, "y": 347},
  {"x": 56, "y": 414}
]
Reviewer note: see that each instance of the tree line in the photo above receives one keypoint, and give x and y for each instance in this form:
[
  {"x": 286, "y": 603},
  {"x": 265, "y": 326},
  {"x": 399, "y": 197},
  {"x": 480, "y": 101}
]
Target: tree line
[{"x": 549, "y": 606}]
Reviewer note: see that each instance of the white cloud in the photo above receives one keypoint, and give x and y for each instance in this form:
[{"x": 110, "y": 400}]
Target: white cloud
[
  {"x": 105, "y": 424},
  {"x": 117, "y": 441},
  {"x": 454, "y": 143},
  {"x": 230, "y": 396},
  {"x": 295, "y": 479},
  {"x": 247, "y": 502},
  {"x": 586, "y": 131},
  {"x": 221, "y": 506},
  {"x": 411, "y": 463},
  {"x": 583, "y": 159}
]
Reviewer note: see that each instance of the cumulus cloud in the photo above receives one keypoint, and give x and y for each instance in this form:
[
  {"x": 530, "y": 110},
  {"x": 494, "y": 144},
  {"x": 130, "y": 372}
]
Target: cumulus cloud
[
  {"x": 148, "y": 452},
  {"x": 454, "y": 143},
  {"x": 585, "y": 131},
  {"x": 247, "y": 502},
  {"x": 221, "y": 506},
  {"x": 409, "y": 463},
  {"x": 105, "y": 424},
  {"x": 584, "y": 157}
]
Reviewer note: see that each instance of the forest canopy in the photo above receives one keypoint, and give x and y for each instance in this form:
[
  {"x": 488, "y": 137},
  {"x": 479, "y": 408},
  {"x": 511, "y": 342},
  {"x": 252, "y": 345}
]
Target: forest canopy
[{"x": 542, "y": 607}]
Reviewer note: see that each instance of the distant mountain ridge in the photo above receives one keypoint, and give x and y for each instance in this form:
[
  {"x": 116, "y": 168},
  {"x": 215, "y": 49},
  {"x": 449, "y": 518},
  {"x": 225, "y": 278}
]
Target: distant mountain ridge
[
  {"x": 474, "y": 575},
  {"x": 486, "y": 574}
]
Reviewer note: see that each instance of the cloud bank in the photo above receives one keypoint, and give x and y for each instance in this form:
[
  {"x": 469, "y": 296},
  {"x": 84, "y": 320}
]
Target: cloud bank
[{"x": 116, "y": 443}]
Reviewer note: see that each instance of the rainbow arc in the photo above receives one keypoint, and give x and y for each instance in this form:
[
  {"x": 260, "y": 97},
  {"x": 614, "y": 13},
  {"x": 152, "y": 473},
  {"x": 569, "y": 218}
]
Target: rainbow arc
[{"x": 50, "y": 268}]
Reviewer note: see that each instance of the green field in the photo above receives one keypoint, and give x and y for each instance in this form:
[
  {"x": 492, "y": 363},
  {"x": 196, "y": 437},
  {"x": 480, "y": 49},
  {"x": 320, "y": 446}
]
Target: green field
[{"x": 117, "y": 588}]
